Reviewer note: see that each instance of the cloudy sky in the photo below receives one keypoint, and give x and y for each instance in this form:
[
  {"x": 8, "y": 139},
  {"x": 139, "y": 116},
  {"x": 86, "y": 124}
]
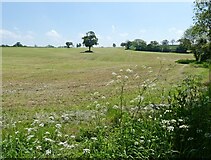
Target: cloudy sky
[{"x": 54, "y": 23}]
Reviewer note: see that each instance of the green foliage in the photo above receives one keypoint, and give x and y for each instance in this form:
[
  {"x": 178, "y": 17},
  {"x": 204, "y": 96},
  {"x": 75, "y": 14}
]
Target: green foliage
[{"x": 90, "y": 39}]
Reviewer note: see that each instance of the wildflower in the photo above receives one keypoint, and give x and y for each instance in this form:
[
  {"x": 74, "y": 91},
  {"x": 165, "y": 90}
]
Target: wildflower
[
  {"x": 141, "y": 141},
  {"x": 49, "y": 140},
  {"x": 115, "y": 107},
  {"x": 47, "y": 133},
  {"x": 129, "y": 70},
  {"x": 29, "y": 137},
  {"x": 29, "y": 129},
  {"x": 16, "y": 132},
  {"x": 96, "y": 93},
  {"x": 184, "y": 126},
  {"x": 126, "y": 77},
  {"x": 103, "y": 97},
  {"x": 119, "y": 76},
  {"x": 86, "y": 150},
  {"x": 198, "y": 131},
  {"x": 58, "y": 126},
  {"x": 39, "y": 148},
  {"x": 207, "y": 135},
  {"x": 173, "y": 121},
  {"x": 94, "y": 138},
  {"x": 51, "y": 118},
  {"x": 190, "y": 138},
  {"x": 121, "y": 70},
  {"x": 180, "y": 120},
  {"x": 48, "y": 152},
  {"x": 41, "y": 124},
  {"x": 136, "y": 143},
  {"x": 72, "y": 136},
  {"x": 114, "y": 74},
  {"x": 170, "y": 128},
  {"x": 97, "y": 105}
]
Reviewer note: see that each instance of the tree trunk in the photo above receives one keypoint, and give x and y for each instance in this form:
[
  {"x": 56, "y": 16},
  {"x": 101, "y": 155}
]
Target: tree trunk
[{"x": 89, "y": 48}]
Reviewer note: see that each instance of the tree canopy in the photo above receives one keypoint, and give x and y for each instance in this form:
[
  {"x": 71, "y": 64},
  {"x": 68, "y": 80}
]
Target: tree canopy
[{"x": 90, "y": 39}]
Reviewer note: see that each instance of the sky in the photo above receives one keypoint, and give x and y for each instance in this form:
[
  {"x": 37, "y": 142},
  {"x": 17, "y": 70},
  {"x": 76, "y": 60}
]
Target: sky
[{"x": 55, "y": 23}]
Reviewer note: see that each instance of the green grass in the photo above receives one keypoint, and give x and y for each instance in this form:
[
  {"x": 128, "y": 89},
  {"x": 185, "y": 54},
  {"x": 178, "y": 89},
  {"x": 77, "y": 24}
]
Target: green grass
[{"x": 43, "y": 82}]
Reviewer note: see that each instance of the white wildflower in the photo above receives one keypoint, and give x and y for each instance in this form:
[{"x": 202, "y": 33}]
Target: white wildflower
[
  {"x": 58, "y": 126},
  {"x": 96, "y": 93},
  {"x": 136, "y": 143},
  {"x": 190, "y": 138},
  {"x": 94, "y": 138},
  {"x": 170, "y": 128},
  {"x": 103, "y": 97},
  {"x": 173, "y": 121},
  {"x": 72, "y": 136},
  {"x": 119, "y": 76},
  {"x": 48, "y": 152},
  {"x": 51, "y": 118},
  {"x": 49, "y": 140},
  {"x": 86, "y": 150},
  {"x": 41, "y": 124},
  {"x": 129, "y": 70},
  {"x": 29, "y": 137},
  {"x": 16, "y": 132},
  {"x": 39, "y": 148},
  {"x": 207, "y": 135},
  {"x": 126, "y": 77},
  {"x": 121, "y": 70},
  {"x": 114, "y": 74},
  {"x": 47, "y": 133},
  {"x": 184, "y": 126},
  {"x": 115, "y": 107}
]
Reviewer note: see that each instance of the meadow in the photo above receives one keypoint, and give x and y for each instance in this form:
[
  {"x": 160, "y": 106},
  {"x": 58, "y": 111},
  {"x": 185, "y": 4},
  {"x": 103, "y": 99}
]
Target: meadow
[{"x": 61, "y": 102}]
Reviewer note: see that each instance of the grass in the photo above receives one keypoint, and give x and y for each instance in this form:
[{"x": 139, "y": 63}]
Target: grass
[{"x": 72, "y": 87}]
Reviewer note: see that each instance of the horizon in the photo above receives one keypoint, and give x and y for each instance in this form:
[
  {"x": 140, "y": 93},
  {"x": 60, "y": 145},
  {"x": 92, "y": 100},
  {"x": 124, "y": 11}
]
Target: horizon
[{"x": 37, "y": 23}]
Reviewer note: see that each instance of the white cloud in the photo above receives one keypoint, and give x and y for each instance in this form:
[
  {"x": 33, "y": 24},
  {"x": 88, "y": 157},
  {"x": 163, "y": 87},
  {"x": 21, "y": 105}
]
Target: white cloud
[
  {"x": 53, "y": 34},
  {"x": 10, "y": 37},
  {"x": 6, "y": 34}
]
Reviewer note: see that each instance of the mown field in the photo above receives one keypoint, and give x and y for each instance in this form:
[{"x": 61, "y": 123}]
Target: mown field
[{"x": 66, "y": 87}]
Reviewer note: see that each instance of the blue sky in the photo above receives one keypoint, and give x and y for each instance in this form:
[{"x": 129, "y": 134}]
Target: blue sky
[{"x": 54, "y": 23}]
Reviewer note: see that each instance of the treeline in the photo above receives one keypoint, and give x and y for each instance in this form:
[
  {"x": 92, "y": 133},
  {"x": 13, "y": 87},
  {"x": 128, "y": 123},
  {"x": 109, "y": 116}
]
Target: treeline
[{"x": 154, "y": 46}]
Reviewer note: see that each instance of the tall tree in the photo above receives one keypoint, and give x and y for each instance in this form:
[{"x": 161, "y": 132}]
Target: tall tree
[
  {"x": 90, "y": 39},
  {"x": 172, "y": 42},
  {"x": 69, "y": 44},
  {"x": 202, "y": 30}
]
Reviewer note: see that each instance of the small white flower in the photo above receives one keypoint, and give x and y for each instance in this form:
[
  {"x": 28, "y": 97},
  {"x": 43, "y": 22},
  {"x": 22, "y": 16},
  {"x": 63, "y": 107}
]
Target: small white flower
[
  {"x": 16, "y": 132},
  {"x": 58, "y": 125},
  {"x": 115, "y": 107},
  {"x": 72, "y": 136},
  {"x": 184, "y": 126},
  {"x": 170, "y": 128},
  {"x": 121, "y": 70},
  {"x": 94, "y": 138},
  {"x": 103, "y": 97},
  {"x": 126, "y": 77},
  {"x": 96, "y": 93},
  {"x": 47, "y": 133},
  {"x": 97, "y": 105},
  {"x": 86, "y": 150},
  {"x": 190, "y": 138},
  {"x": 114, "y": 74},
  {"x": 129, "y": 70},
  {"x": 39, "y": 148},
  {"x": 119, "y": 77},
  {"x": 51, "y": 118},
  {"x": 136, "y": 143},
  {"x": 41, "y": 124},
  {"x": 48, "y": 152},
  {"x": 173, "y": 121},
  {"x": 29, "y": 137},
  {"x": 207, "y": 135}
]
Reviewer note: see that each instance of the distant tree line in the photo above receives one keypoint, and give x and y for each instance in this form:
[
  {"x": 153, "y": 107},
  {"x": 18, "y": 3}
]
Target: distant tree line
[{"x": 154, "y": 46}]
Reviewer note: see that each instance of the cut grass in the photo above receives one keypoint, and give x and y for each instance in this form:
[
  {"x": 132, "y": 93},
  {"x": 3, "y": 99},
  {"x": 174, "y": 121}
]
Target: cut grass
[{"x": 52, "y": 80}]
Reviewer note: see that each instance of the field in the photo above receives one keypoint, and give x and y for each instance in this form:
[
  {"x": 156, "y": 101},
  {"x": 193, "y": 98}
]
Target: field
[{"x": 42, "y": 82}]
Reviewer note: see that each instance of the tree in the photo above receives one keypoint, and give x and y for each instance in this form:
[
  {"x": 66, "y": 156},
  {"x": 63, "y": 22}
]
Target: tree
[
  {"x": 165, "y": 42},
  {"x": 172, "y": 42},
  {"x": 153, "y": 46},
  {"x": 123, "y": 44},
  {"x": 128, "y": 44},
  {"x": 114, "y": 45},
  {"x": 69, "y": 44},
  {"x": 202, "y": 30},
  {"x": 90, "y": 39},
  {"x": 78, "y": 45},
  {"x": 139, "y": 44},
  {"x": 18, "y": 44}
]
